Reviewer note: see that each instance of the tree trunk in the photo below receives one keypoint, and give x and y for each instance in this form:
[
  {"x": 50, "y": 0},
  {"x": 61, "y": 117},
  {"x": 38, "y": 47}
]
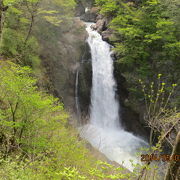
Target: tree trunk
[
  {"x": 173, "y": 167},
  {"x": 1, "y": 14},
  {"x": 2, "y": 10},
  {"x": 30, "y": 29}
]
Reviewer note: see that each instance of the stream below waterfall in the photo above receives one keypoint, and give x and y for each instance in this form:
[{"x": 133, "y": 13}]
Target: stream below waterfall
[{"x": 104, "y": 130}]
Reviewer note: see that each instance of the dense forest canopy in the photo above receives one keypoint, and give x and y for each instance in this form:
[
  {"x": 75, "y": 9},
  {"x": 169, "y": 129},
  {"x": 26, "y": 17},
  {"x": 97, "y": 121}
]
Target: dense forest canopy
[{"x": 146, "y": 38}]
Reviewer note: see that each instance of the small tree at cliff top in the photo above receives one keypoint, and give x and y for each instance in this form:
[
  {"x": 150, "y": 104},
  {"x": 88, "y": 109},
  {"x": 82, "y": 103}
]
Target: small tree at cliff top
[
  {"x": 160, "y": 116},
  {"x": 163, "y": 120}
]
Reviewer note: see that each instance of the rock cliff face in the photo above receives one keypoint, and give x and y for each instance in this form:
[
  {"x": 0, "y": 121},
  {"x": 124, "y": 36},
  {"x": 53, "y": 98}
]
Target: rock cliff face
[
  {"x": 130, "y": 118},
  {"x": 85, "y": 84},
  {"x": 61, "y": 53},
  {"x": 64, "y": 51}
]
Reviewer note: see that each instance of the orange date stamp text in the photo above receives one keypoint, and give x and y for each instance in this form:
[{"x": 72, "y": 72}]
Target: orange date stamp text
[{"x": 159, "y": 157}]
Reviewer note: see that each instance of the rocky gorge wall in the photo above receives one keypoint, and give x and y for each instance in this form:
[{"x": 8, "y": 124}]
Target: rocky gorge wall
[
  {"x": 132, "y": 120},
  {"x": 64, "y": 51}
]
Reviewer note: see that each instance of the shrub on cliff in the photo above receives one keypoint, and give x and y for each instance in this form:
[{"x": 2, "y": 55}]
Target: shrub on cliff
[{"x": 33, "y": 128}]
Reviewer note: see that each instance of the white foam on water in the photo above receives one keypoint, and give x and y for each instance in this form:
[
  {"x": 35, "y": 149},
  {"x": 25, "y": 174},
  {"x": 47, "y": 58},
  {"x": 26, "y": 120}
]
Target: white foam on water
[{"x": 104, "y": 131}]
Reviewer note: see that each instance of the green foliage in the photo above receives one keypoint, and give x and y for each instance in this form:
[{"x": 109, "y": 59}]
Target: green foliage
[
  {"x": 13, "y": 47},
  {"x": 35, "y": 142},
  {"x": 160, "y": 114},
  {"x": 24, "y": 110},
  {"x": 108, "y": 7},
  {"x": 56, "y": 11},
  {"x": 161, "y": 117},
  {"x": 11, "y": 42},
  {"x": 16, "y": 39},
  {"x": 146, "y": 37},
  {"x": 43, "y": 170},
  {"x": 33, "y": 131},
  {"x": 66, "y": 6},
  {"x": 19, "y": 21}
]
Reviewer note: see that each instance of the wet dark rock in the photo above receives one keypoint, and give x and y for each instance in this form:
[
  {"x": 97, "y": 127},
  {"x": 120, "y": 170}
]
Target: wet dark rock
[
  {"x": 84, "y": 89},
  {"x": 101, "y": 25},
  {"x": 130, "y": 119},
  {"x": 113, "y": 56},
  {"x": 106, "y": 35},
  {"x": 85, "y": 83},
  {"x": 94, "y": 27},
  {"x": 85, "y": 3},
  {"x": 80, "y": 9},
  {"x": 90, "y": 15},
  {"x": 121, "y": 83},
  {"x": 100, "y": 16},
  {"x": 130, "y": 122}
]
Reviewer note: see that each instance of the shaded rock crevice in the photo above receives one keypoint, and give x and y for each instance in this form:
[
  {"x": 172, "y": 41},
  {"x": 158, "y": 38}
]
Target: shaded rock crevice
[{"x": 85, "y": 84}]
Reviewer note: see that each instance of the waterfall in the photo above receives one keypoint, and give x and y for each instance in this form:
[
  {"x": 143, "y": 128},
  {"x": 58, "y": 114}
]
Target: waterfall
[
  {"x": 77, "y": 97},
  {"x": 104, "y": 107},
  {"x": 104, "y": 130}
]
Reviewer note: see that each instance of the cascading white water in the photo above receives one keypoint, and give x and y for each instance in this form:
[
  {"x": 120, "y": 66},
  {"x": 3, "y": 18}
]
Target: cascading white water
[
  {"x": 77, "y": 97},
  {"x": 104, "y": 131},
  {"x": 104, "y": 107}
]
